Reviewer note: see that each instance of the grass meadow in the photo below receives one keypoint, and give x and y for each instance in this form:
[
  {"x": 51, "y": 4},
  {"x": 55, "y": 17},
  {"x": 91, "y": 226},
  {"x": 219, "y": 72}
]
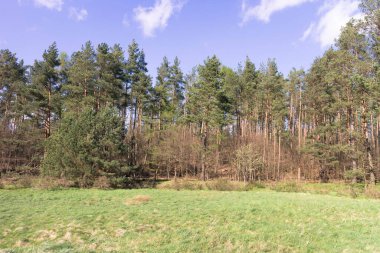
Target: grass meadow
[{"x": 162, "y": 220}]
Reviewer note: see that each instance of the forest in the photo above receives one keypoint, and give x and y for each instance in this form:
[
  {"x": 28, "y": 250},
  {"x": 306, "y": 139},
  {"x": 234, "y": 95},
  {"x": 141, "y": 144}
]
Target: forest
[{"x": 98, "y": 115}]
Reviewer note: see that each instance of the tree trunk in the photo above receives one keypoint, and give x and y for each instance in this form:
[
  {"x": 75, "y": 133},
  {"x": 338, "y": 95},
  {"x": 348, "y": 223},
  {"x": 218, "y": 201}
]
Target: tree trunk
[
  {"x": 48, "y": 115},
  {"x": 299, "y": 120},
  {"x": 279, "y": 156}
]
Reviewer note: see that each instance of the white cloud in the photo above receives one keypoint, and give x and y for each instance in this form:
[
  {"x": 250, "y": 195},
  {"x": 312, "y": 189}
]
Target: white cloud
[
  {"x": 78, "y": 14},
  {"x": 308, "y": 32},
  {"x": 50, "y": 4},
  {"x": 156, "y": 17},
  {"x": 125, "y": 21},
  {"x": 266, "y": 8},
  {"x": 334, "y": 14}
]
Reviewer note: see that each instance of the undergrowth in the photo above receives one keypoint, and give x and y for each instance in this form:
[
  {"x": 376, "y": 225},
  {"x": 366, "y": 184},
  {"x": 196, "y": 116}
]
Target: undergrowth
[{"x": 357, "y": 190}]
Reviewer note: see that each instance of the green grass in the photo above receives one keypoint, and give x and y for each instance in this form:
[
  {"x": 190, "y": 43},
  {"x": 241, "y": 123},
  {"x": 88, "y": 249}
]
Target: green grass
[{"x": 76, "y": 220}]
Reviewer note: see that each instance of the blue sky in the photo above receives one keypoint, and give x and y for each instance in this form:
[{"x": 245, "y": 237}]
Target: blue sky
[{"x": 292, "y": 31}]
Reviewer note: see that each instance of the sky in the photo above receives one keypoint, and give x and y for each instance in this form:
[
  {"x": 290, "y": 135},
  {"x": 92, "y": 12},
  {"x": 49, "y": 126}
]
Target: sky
[{"x": 294, "y": 32}]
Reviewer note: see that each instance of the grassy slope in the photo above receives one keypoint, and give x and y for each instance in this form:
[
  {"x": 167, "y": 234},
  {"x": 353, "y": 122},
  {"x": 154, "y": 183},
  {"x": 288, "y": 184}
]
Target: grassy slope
[{"x": 186, "y": 221}]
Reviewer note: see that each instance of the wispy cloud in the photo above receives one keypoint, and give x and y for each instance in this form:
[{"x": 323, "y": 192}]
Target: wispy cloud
[
  {"x": 266, "y": 8},
  {"x": 308, "y": 32},
  {"x": 125, "y": 21},
  {"x": 50, "y": 4},
  {"x": 78, "y": 14},
  {"x": 334, "y": 14},
  {"x": 156, "y": 17}
]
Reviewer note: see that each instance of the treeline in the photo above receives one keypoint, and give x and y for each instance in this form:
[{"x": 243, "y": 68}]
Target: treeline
[{"x": 99, "y": 114}]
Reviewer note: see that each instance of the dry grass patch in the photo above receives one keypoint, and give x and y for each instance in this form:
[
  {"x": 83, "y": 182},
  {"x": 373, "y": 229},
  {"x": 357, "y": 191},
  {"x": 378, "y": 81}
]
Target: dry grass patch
[
  {"x": 92, "y": 246},
  {"x": 372, "y": 192},
  {"x": 20, "y": 243},
  {"x": 137, "y": 200},
  {"x": 120, "y": 232},
  {"x": 67, "y": 236},
  {"x": 182, "y": 184},
  {"x": 213, "y": 185},
  {"x": 46, "y": 234}
]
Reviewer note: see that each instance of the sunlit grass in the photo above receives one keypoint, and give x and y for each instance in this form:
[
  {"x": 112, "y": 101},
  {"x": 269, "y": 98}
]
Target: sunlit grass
[{"x": 185, "y": 221}]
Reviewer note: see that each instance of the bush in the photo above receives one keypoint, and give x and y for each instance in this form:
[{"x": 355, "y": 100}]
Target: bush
[
  {"x": 85, "y": 146},
  {"x": 102, "y": 183},
  {"x": 117, "y": 182},
  {"x": 182, "y": 184},
  {"x": 24, "y": 182},
  {"x": 254, "y": 185},
  {"x": 189, "y": 185},
  {"x": 221, "y": 185},
  {"x": 214, "y": 185},
  {"x": 372, "y": 192},
  {"x": 87, "y": 181},
  {"x": 51, "y": 183},
  {"x": 178, "y": 185},
  {"x": 16, "y": 181},
  {"x": 358, "y": 174},
  {"x": 27, "y": 170},
  {"x": 287, "y": 187},
  {"x": 123, "y": 183}
]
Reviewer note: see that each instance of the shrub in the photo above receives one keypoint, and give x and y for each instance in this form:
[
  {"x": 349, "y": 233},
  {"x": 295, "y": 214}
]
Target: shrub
[
  {"x": 194, "y": 185},
  {"x": 85, "y": 146},
  {"x": 223, "y": 185},
  {"x": 27, "y": 170},
  {"x": 357, "y": 174},
  {"x": 182, "y": 184},
  {"x": 214, "y": 185},
  {"x": 188, "y": 185},
  {"x": 24, "y": 182},
  {"x": 15, "y": 181},
  {"x": 163, "y": 185},
  {"x": 124, "y": 183},
  {"x": 51, "y": 183},
  {"x": 247, "y": 161},
  {"x": 287, "y": 187},
  {"x": 254, "y": 185},
  {"x": 102, "y": 183},
  {"x": 117, "y": 182},
  {"x": 353, "y": 192},
  {"x": 87, "y": 181},
  {"x": 372, "y": 192}
]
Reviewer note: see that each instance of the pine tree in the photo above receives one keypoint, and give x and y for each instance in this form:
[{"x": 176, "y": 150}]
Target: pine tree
[
  {"x": 233, "y": 87},
  {"x": 140, "y": 85},
  {"x": 295, "y": 89},
  {"x": 45, "y": 87},
  {"x": 82, "y": 77},
  {"x": 110, "y": 76},
  {"x": 249, "y": 80},
  {"x": 12, "y": 82},
  {"x": 19, "y": 138},
  {"x": 161, "y": 93},
  {"x": 176, "y": 81},
  {"x": 87, "y": 145},
  {"x": 206, "y": 100},
  {"x": 271, "y": 99},
  {"x": 168, "y": 93}
]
